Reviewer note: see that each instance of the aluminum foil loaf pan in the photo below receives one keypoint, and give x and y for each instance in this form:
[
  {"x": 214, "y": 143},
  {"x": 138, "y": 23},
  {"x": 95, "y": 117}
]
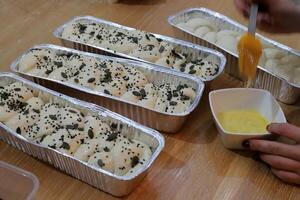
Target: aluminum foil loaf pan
[
  {"x": 95, "y": 176},
  {"x": 162, "y": 121},
  {"x": 192, "y": 51},
  {"x": 282, "y": 89}
]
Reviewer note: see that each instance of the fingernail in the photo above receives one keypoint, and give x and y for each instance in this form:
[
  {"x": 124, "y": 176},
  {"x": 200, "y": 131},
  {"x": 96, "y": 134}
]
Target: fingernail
[{"x": 246, "y": 144}]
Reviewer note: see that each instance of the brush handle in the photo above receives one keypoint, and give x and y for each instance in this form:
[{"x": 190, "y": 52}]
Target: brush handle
[{"x": 252, "y": 21}]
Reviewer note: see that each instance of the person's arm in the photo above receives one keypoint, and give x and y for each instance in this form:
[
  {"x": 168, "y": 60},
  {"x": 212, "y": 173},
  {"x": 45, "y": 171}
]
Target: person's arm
[
  {"x": 275, "y": 16},
  {"x": 284, "y": 159}
]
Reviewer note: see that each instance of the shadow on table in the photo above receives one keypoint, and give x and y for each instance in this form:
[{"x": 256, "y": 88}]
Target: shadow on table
[
  {"x": 293, "y": 117},
  {"x": 248, "y": 154},
  {"x": 141, "y": 2},
  {"x": 170, "y": 162}
]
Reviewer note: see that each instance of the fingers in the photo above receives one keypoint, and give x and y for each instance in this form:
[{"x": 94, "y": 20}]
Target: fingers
[
  {"x": 243, "y": 6},
  {"x": 275, "y": 148},
  {"x": 287, "y": 130},
  {"x": 265, "y": 23},
  {"x": 281, "y": 163},
  {"x": 286, "y": 176}
]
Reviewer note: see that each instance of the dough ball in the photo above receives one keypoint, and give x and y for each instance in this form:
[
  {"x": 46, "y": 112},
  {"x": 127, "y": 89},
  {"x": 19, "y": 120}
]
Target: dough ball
[
  {"x": 119, "y": 41},
  {"x": 72, "y": 141},
  {"x": 64, "y": 140},
  {"x": 149, "y": 53},
  {"x": 147, "y": 39},
  {"x": 291, "y": 60},
  {"x": 177, "y": 106},
  {"x": 165, "y": 90},
  {"x": 271, "y": 64},
  {"x": 71, "y": 118},
  {"x": 296, "y": 76},
  {"x": 185, "y": 27},
  {"x": 21, "y": 122},
  {"x": 38, "y": 72},
  {"x": 60, "y": 74},
  {"x": 116, "y": 69},
  {"x": 285, "y": 71},
  {"x": 179, "y": 63},
  {"x": 227, "y": 33},
  {"x": 43, "y": 127},
  {"x": 47, "y": 124},
  {"x": 81, "y": 31},
  {"x": 165, "y": 49},
  {"x": 109, "y": 140},
  {"x": 197, "y": 22},
  {"x": 167, "y": 61},
  {"x": 95, "y": 127},
  {"x": 210, "y": 37},
  {"x": 18, "y": 91},
  {"x": 85, "y": 150},
  {"x": 272, "y": 53},
  {"x": 189, "y": 92},
  {"x": 88, "y": 77},
  {"x": 99, "y": 36},
  {"x": 201, "y": 31},
  {"x": 77, "y": 63},
  {"x": 129, "y": 153},
  {"x": 148, "y": 102},
  {"x": 131, "y": 96},
  {"x": 263, "y": 59},
  {"x": 229, "y": 43},
  {"x": 146, "y": 155},
  {"x": 37, "y": 58},
  {"x": 6, "y": 113},
  {"x": 150, "y": 89},
  {"x": 206, "y": 70},
  {"x": 213, "y": 60},
  {"x": 56, "y": 139},
  {"x": 117, "y": 87},
  {"x": 161, "y": 104},
  {"x": 135, "y": 78},
  {"x": 34, "y": 103},
  {"x": 51, "y": 109},
  {"x": 28, "y": 62},
  {"x": 102, "y": 160}
]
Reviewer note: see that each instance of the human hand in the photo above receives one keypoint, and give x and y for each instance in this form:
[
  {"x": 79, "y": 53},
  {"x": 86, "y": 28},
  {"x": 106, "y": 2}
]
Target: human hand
[
  {"x": 284, "y": 159},
  {"x": 276, "y": 16}
]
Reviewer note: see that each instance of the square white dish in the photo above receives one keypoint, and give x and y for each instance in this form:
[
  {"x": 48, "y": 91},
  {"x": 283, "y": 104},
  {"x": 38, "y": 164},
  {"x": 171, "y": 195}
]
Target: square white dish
[{"x": 244, "y": 99}]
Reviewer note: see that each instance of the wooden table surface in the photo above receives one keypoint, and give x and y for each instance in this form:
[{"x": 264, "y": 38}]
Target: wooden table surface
[{"x": 194, "y": 164}]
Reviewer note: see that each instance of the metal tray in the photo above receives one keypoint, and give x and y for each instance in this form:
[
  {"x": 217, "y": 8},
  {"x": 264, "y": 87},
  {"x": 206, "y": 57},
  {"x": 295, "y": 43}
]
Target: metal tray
[
  {"x": 99, "y": 178},
  {"x": 148, "y": 117},
  {"x": 282, "y": 89},
  {"x": 192, "y": 50}
]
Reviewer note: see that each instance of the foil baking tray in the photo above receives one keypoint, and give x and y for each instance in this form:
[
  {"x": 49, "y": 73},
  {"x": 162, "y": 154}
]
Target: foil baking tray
[
  {"x": 161, "y": 121},
  {"x": 192, "y": 50},
  {"x": 97, "y": 177},
  {"x": 282, "y": 89}
]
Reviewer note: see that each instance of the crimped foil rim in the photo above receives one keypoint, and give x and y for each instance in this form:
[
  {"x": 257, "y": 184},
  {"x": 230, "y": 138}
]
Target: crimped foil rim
[
  {"x": 100, "y": 111},
  {"x": 193, "y": 106},
  {"x": 58, "y": 32}
]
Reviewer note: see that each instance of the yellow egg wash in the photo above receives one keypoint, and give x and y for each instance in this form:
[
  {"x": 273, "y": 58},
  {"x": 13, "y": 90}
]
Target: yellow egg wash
[
  {"x": 250, "y": 50},
  {"x": 243, "y": 121}
]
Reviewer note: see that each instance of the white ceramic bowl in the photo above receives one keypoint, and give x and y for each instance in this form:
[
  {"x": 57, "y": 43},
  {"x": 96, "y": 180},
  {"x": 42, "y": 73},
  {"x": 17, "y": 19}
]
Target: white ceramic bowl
[{"x": 244, "y": 98}]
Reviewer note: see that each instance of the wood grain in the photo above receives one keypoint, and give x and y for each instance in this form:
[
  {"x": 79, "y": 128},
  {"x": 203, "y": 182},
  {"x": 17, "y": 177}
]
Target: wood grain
[{"x": 194, "y": 164}]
